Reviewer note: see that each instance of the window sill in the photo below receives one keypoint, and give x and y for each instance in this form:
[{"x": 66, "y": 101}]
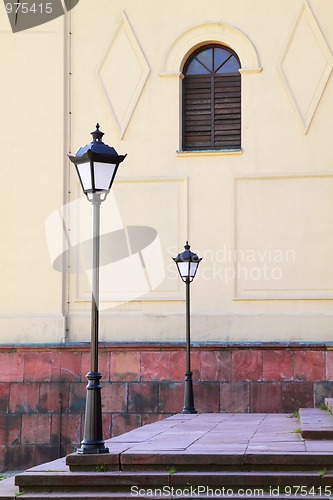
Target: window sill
[{"x": 209, "y": 152}]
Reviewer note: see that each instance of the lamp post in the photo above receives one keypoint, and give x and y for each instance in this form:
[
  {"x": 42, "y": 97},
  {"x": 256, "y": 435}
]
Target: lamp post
[
  {"x": 187, "y": 263},
  {"x": 96, "y": 165}
]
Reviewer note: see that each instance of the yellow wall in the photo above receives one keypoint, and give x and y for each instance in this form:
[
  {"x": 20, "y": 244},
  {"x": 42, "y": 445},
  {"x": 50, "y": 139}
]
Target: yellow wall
[
  {"x": 32, "y": 131},
  {"x": 261, "y": 218}
]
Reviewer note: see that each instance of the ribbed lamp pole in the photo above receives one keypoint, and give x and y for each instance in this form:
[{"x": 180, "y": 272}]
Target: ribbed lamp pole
[
  {"x": 187, "y": 264},
  {"x": 96, "y": 165}
]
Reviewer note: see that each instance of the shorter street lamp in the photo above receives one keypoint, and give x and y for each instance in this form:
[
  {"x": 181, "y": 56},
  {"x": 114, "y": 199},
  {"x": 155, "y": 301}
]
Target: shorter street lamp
[
  {"x": 96, "y": 165},
  {"x": 187, "y": 263}
]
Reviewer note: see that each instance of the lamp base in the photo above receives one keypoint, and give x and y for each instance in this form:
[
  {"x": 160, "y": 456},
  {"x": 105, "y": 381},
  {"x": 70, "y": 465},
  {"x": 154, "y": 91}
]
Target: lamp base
[
  {"x": 189, "y": 410},
  {"x": 92, "y": 449},
  {"x": 188, "y": 394},
  {"x": 93, "y": 442}
]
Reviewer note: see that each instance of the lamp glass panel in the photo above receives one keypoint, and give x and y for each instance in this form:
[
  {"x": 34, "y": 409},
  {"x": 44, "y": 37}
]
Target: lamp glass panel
[
  {"x": 193, "y": 268},
  {"x": 103, "y": 175},
  {"x": 85, "y": 175},
  {"x": 183, "y": 268}
]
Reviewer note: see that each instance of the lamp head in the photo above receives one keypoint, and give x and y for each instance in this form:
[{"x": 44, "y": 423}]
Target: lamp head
[
  {"x": 96, "y": 164},
  {"x": 187, "y": 264}
]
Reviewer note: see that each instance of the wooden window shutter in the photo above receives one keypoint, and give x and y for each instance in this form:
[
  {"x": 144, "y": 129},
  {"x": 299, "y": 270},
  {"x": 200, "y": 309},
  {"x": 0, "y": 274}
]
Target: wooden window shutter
[
  {"x": 197, "y": 112},
  {"x": 212, "y": 101},
  {"x": 227, "y": 112}
]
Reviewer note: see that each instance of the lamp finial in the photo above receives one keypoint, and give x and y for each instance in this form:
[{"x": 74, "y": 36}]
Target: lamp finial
[{"x": 97, "y": 134}]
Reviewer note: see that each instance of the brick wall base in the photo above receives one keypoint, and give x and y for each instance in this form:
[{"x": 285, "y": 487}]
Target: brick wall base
[{"x": 43, "y": 388}]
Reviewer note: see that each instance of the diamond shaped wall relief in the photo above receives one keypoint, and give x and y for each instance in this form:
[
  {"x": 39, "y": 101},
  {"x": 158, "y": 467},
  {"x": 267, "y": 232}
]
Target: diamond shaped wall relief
[
  {"x": 305, "y": 66},
  {"x": 123, "y": 73}
]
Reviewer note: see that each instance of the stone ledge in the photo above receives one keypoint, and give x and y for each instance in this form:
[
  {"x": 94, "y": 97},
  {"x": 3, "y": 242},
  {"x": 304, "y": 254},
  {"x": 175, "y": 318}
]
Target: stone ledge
[
  {"x": 329, "y": 404},
  {"x": 316, "y": 423}
]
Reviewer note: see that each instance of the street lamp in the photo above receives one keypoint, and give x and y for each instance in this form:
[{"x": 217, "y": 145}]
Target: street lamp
[
  {"x": 187, "y": 263},
  {"x": 96, "y": 165}
]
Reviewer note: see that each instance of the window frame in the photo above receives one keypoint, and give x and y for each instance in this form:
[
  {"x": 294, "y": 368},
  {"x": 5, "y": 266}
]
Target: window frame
[{"x": 215, "y": 147}]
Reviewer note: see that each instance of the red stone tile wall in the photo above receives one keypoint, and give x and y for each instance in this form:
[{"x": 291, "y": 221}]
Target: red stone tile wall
[{"x": 42, "y": 389}]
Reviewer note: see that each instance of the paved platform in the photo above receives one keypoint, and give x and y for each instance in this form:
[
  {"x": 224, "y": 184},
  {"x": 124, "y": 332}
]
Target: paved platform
[
  {"x": 217, "y": 439},
  {"x": 268, "y": 447}
]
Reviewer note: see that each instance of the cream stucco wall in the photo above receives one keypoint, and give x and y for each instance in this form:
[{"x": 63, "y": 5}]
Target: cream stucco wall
[
  {"x": 261, "y": 218},
  {"x": 32, "y": 157}
]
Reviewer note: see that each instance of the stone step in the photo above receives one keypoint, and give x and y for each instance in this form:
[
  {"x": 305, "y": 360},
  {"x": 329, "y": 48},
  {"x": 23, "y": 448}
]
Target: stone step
[
  {"x": 125, "y": 481},
  {"x": 88, "y": 480},
  {"x": 8, "y": 490},
  {"x": 236, "y": 494},
  {"x": 316, "y": 423},
  {"x": 329, "y": 404},
  {"x": 162, "y": 461},
  {"x": 269, "y": 460},
  {"x": 82, "y": 495}
]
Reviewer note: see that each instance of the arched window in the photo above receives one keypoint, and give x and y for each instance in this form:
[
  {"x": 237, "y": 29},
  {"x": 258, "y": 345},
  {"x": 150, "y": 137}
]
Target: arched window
[{"x": 212, "y": 100}]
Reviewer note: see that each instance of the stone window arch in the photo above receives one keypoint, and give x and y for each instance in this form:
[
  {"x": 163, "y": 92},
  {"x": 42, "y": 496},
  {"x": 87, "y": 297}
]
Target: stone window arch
[{"x": 183, "y": 46}]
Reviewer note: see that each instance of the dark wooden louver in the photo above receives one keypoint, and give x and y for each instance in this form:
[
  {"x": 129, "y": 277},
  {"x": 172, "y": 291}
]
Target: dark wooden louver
[
  {"x": 212, "y": 112},
  {"x": 212, "y": 100}
]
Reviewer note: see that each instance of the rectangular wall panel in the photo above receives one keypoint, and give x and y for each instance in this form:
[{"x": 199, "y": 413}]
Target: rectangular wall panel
[
  {"x": 279, "y": 251},
  {"x": 143, "y": 224}
]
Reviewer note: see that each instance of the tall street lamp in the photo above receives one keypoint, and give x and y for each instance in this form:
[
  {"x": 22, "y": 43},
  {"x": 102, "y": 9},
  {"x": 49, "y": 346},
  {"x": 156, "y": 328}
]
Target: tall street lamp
[
  {"x": 96, "y": 165},
  {"x": 187, "y": 263}
]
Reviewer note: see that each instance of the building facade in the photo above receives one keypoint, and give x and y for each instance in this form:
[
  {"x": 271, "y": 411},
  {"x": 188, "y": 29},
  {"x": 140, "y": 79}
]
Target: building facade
[{"x": 224, "y": 112}]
